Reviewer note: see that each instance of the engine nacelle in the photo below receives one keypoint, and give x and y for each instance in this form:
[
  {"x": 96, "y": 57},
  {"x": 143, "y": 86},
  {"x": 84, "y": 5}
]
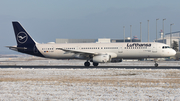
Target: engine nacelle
[
  {"x": 101, "y": 58},
  {"x": 116, "y": 60}
]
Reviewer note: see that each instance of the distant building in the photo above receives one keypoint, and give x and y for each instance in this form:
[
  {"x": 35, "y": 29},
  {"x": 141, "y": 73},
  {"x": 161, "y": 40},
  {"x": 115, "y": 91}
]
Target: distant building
[
  {"x": 76, "y": 40},
  {"x": 100, "y": 40},
  {"x": 175, "y": 36},
  {"x": 128, "y": 39},
  {"x": 104, "y": 40}
]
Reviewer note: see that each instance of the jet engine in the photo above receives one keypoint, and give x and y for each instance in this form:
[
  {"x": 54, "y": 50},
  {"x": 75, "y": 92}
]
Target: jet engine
[{"x": 101, "y": 58}]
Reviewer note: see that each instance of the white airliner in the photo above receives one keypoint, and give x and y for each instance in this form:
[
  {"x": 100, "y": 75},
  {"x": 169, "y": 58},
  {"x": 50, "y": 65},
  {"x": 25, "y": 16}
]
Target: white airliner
[{"x": 92, "y": 52}]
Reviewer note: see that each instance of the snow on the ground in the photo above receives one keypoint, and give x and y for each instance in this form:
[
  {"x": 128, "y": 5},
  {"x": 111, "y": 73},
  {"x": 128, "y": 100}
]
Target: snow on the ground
[
  {"x": 66, "y": 62},
  {"x": 89, "y": 84}
]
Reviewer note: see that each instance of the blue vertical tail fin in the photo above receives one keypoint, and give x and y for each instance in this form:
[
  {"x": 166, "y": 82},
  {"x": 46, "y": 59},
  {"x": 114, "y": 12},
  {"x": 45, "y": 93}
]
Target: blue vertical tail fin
[
  {"x": 25, "y": 43},
  {"x": 22, "y": 37}
]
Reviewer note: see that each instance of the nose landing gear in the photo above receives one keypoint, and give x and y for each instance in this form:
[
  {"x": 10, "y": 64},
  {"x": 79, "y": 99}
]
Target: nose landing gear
[
  {"x": 155, "y": 61},
  {"x": 156, "y": 64}
]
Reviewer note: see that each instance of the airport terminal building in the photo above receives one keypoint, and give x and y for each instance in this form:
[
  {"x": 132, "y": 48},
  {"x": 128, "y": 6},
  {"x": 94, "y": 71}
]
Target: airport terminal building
[
  {"x": 100, "y": 40},
  {"x": 76, "y": 40}
]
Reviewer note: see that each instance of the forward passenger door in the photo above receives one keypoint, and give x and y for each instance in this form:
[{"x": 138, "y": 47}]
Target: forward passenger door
[
  {"x": 154, "y": 48},
  {"x": 120, "y": 49}
]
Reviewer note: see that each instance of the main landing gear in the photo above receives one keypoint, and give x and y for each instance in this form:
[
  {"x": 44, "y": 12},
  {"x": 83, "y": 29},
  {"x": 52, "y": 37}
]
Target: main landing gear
[
  {"x": 95, "y": 64},
  {"x": 87, "y": 64}
]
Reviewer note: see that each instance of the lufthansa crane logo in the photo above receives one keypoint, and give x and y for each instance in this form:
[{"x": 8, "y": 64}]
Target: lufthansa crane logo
[{"x": 22, "y": 37}]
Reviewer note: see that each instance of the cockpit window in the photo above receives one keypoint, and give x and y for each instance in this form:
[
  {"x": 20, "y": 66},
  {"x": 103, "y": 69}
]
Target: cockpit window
[{"x": 165, "y": 47}]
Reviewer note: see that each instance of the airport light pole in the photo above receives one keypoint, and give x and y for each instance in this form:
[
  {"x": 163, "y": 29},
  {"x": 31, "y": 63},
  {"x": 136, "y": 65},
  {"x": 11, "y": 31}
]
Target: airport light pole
[
  {"x": 156, "y": 28},
  {"x": 163, "y": 30},
  {"x": 140, "y": 32},
  {"x": 148, "y": 30},
  {"x": 124, "y": 32},
  {"x": 130, "y": 33},
  {"x": 171, "y": 35}
]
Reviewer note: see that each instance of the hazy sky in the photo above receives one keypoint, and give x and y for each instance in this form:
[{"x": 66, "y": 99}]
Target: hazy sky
[{"x": 46, "y": 20}]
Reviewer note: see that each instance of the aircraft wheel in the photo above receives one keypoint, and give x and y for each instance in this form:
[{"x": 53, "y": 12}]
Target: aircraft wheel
[
  {"x": 156, "y": 65},
  {"x": 87, "y": 64},
  {"x": 95, "y": 64}
]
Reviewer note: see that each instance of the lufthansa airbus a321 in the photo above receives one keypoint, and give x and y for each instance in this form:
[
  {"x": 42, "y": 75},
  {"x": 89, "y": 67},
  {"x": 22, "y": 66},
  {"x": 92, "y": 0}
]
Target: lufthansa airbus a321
[{"x": 91, "y": 52}]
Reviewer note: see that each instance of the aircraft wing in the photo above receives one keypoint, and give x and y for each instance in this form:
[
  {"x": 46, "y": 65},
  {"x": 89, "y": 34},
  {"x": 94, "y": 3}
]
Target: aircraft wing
[
  {"x": 80, "y": 52},
  {"x": 85, "y": 53}
]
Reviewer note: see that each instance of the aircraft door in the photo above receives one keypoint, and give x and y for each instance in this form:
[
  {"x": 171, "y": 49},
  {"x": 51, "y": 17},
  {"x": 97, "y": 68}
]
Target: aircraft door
[
  {"x": 154, "y": 48},
  {"x": 78, "y": 47},
  {"x": 35, "y": 50},
  {"x": 120, "y": 49}
]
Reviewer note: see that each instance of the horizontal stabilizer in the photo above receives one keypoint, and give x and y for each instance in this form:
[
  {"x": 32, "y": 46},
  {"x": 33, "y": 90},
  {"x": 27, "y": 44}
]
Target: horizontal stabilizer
[{"x": 16, "y": 48}]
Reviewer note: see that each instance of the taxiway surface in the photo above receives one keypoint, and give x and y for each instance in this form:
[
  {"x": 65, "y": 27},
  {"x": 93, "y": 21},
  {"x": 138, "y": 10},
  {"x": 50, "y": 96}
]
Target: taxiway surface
[{"x": 82, "y": 67}]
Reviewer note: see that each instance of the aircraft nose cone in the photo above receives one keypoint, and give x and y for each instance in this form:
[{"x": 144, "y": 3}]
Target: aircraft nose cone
[{"x": 173, "y": 52}]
